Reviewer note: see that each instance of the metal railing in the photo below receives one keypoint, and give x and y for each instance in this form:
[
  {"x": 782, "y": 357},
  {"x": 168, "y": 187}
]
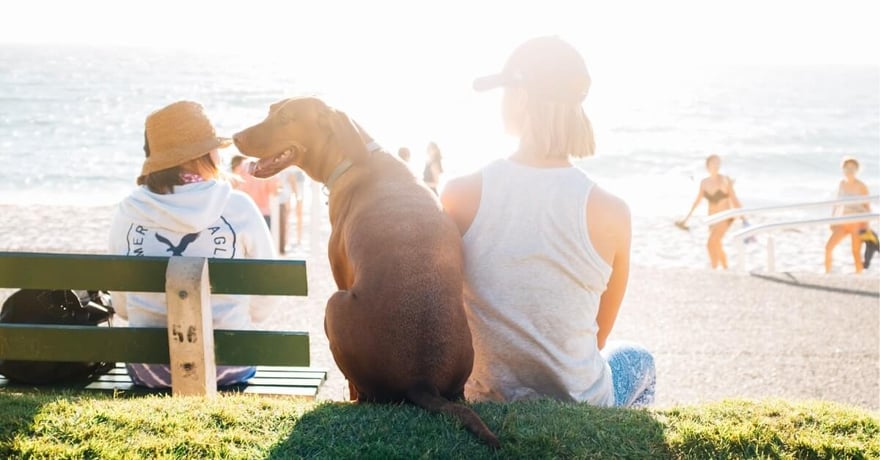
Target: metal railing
[
  {"x": 744, "y": 234},
  {"x": 741, "y": 236},
  {"x": 737, "y": 212}
]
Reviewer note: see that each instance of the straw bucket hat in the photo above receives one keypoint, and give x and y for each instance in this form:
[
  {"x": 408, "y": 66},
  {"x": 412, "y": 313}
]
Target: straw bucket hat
[{"x": 178, "y": 133}]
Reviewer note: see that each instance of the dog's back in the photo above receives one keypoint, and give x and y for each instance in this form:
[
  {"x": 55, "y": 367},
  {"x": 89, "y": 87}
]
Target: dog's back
[
  {"x": 412, "y": 277},
  {"x": 396, "y": 327},
  {"x": 398, "y": 331}
]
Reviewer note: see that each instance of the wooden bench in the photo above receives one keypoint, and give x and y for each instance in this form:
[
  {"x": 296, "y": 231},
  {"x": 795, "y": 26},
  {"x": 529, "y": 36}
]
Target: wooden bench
[{"x": 189, "y": 343}]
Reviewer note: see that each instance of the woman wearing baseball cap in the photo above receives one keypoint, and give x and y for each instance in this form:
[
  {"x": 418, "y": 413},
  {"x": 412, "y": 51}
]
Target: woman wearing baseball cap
[
  {"x": 181, "y": 209},
  {"x": 546, "y": 249}
]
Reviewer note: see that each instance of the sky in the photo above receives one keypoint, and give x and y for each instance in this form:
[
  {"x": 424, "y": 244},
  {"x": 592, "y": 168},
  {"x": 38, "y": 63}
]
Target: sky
[{"x": 663, "y": 33}]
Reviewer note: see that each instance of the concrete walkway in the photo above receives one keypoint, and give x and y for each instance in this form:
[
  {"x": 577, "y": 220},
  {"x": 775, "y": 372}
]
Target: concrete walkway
[
  {"x": 722, "y": 335},
  {"x": 715, "y": 335}
]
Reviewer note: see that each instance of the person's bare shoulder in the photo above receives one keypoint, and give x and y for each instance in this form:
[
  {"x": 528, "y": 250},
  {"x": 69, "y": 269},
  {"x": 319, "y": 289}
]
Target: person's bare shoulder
[
  {"x": 608, "y": 223},
  {"x": 461, "y": 199},
  {"x": 612, "y": 207},
  {"x": 729, "y": 181}
]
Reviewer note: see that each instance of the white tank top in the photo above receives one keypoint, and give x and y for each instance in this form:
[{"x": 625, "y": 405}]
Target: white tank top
[{"x": 532, "y": 287}]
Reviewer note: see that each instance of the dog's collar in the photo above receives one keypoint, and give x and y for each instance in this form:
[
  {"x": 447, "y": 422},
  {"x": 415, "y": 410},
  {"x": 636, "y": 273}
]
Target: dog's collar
[
  {"x": 373, "y": 146},
  {"x": 341, "y": 168}
]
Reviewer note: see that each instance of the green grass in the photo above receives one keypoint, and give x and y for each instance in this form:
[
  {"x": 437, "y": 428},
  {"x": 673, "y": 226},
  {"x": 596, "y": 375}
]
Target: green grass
[{"x": 76, "y": 425}]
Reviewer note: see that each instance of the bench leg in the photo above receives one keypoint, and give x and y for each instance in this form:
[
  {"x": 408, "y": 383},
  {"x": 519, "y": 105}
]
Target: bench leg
[{"x": 190, "y": 327}]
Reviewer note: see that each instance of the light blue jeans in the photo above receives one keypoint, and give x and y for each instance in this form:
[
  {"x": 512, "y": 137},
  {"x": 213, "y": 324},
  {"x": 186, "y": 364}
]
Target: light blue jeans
[
  {"x": 159, "y": 375},
  {"x": 633, "y": 373}
]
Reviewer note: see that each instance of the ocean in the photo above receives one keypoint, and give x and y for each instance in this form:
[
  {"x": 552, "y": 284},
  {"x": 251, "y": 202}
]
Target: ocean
[{"x": 71, "y": 130}]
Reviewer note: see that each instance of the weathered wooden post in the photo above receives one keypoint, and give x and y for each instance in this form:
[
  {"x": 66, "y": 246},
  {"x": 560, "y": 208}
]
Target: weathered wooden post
[{"x": 190, "y": 328}]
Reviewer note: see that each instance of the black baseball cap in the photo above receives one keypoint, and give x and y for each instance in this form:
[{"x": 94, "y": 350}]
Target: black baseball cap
[{"x": 547, "y": 67}]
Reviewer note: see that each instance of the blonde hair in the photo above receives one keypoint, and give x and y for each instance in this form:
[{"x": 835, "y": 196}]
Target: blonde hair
[{"x": 556, "y": 129}]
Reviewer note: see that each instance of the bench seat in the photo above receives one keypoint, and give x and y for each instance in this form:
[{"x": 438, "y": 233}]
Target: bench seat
[
  {"x": 300, "y": 382},
  {"x": 281, "y": 357}
]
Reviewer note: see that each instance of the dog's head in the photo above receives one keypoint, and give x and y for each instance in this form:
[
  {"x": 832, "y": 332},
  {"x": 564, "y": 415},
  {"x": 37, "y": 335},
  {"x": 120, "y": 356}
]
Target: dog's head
[{"x": 303, "y": 132}]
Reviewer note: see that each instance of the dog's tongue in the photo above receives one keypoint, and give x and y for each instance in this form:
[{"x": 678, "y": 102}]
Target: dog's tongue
[{"x": 268, "y": 167}]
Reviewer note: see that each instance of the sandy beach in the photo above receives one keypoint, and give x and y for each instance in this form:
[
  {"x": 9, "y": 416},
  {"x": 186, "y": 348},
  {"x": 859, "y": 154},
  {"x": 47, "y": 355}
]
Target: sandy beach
[{"x": 715, "y": 335}]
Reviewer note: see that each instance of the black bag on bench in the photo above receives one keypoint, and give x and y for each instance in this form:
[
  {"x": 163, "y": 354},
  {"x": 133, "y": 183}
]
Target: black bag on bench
[{"x": 41, "y": 306}]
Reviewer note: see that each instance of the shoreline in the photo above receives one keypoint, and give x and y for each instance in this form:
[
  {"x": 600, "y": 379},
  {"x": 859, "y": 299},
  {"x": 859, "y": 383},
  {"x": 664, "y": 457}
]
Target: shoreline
[
  {"x": 715, "y": 335},
  {"x": 64, "y": 227}
]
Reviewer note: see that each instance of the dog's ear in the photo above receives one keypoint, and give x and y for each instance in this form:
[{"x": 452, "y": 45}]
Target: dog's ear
[{"x": 348, "y": 136}]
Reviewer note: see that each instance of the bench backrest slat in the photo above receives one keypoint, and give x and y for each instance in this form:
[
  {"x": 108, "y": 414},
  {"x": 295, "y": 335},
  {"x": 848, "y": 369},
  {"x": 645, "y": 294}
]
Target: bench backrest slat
[
  {"x": 21, "y": 270},
  {"x": 146, "y": 345}
]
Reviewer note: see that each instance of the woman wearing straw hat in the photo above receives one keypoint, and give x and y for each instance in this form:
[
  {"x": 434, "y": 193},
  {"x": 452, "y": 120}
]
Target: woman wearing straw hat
[
  {"x": 546, "y": 250},
  {"x": 182, "y": 209}
]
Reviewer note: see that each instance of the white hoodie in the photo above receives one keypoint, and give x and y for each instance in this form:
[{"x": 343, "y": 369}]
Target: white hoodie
[{"x": 203, "y": 219}]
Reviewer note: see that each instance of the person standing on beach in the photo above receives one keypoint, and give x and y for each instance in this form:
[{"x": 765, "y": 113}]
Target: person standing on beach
[
  {"x": 181, "y": 208},
  {"x": 433, "y": 167},
  {"x": 260, "y": 190},
  {"x": 849, "y": 186},
  {"x": 404, "y": 154},
  {"x": 718, "y": 192},
  {"x": 292, "y": 186},
  {"x": 546, "y": 250}
]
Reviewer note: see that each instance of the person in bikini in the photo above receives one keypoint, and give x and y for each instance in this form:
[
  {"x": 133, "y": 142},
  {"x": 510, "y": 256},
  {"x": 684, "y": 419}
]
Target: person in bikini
[
  {"x": 717, "y": 189},
  {"x": 849, "y": 186}
]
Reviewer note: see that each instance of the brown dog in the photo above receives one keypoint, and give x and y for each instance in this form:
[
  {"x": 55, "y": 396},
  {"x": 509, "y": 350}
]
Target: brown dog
[{"x": 396, "y": 327}]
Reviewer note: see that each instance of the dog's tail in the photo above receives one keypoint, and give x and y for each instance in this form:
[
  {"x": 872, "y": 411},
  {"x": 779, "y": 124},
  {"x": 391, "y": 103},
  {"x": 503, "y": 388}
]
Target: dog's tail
[{"x": 427, "y": 397}]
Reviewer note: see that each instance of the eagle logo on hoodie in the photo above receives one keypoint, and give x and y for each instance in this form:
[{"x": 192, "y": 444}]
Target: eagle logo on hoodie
[
  {"x": 218, "y": 240},
  {"x": 184, "y": 242}
]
